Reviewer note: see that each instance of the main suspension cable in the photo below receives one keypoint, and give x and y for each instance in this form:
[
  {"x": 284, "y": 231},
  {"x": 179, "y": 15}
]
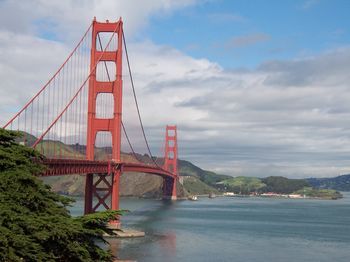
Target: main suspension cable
[
  {"x": 123, "y": 126},
  {"x": 137, "y": 105}
]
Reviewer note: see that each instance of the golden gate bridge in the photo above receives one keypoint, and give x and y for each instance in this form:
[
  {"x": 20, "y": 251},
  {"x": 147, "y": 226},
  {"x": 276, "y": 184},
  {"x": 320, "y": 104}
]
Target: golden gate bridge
[{"x": 75, "y": 121}]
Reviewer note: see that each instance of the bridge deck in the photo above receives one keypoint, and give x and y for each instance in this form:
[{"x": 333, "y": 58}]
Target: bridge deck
[{"x": 59, "y": 167}]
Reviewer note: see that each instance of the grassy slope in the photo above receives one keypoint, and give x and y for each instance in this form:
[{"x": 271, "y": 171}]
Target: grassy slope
[
  {"x": 194, "y": 186},
  {"x": 210, "y": 178},
  {"x": 243, "y": 184},
  {"x": 319, "y": 193}
]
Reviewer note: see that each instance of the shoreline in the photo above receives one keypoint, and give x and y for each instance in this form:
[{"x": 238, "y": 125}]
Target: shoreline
[
  {"x": 282, "y": 196},
  {"x": 286, "y": 197}
]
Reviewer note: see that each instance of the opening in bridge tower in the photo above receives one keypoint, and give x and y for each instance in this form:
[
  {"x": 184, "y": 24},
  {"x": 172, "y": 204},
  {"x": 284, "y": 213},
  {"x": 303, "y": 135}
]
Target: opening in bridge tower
[{"x": 103, "y": 188}]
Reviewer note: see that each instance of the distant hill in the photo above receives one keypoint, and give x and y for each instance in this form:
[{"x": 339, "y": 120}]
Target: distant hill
[
  {"x": 194, "y": 186},
  {"x": 340, "y": 183},
  {"x": 277, "y": 184},
  {"x": 284, "y": 185},
  {"x": 210, "y": 178},
  {"x": 26, "y": 138},
  {"x": 243, "y": 185},
  {"x": 196, "y": 180}
]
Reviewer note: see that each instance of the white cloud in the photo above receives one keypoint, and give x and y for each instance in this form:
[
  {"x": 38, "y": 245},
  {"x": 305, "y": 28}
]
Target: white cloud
[
  {"x": 285, "y": 117},
  {"x": 26, "y": 64},
  {"x": 242, "y": 122},
  {"x": 238, "y": 122},
  {"x": 67, "y": 19}
]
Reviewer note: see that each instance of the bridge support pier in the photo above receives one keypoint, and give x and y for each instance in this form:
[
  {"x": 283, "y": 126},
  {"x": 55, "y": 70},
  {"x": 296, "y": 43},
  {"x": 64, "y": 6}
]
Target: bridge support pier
[
  {"x": 115, "y": 224},
  {"x": 115, "y": 189},
  {"x": 100, "y": 187},
  {"x": 169, "y": 189},
  {"x": 89, "y": 180}
]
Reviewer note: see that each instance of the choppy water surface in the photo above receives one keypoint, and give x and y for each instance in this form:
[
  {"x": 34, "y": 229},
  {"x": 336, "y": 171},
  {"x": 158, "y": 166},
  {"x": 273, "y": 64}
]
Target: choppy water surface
[{"x": 236, "y": 229}]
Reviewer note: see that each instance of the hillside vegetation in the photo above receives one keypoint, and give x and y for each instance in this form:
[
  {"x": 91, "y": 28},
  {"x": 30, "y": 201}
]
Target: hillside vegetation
[
  {"x": 283, "y": 185},
  {"x": 243, "y": 185},
  {"x": 340, "y": 183},
  {"x": 186, "y": 168},
  {"x": 194, "y": 186},
  {"x": 319, "y": 193},
  {"x": 277, "y": 184}
]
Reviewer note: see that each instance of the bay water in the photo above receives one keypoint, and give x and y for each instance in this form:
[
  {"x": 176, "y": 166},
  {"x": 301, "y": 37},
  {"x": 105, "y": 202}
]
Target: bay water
[{"x": 235, "y": 229}]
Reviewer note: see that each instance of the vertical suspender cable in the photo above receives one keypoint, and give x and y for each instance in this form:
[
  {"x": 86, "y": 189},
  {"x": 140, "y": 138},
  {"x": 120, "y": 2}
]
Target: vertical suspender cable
[
  {"x": 135, "y": 98},
  {"x": 109, "y": 79}
]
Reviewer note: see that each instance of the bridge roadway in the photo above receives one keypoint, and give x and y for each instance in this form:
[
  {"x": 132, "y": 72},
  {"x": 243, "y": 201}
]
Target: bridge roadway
[{"x": 59, "y": 167}]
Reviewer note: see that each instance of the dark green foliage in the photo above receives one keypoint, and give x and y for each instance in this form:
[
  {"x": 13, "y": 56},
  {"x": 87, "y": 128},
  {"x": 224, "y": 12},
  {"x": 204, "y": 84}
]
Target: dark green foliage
[
  {"x": 283, "y": 185},
  {"x": 16, "y": 157},
  {"x": 244, "y": 185},
  {"x": 34, "y": 222}
]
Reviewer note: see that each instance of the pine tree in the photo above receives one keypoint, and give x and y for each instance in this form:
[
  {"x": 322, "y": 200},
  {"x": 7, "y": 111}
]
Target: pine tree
[{"x": 35, "y": 224}]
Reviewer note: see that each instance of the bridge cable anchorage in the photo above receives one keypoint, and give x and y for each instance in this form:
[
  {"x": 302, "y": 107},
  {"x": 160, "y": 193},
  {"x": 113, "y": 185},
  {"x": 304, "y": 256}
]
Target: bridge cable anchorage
[
  {"x": 135, "y": 98},
  {"x": 10, "y": 122},
  {"x": 123, "y": 126},
  {"x": 76, "y": 94}
]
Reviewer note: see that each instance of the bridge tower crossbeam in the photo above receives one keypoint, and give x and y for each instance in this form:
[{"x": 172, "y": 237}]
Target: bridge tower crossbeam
[
  {"x": 111, "y": 125},
  {"x": 170, "y": 162}
]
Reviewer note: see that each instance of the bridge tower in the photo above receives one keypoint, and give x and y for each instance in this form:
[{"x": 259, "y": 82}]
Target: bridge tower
[
  {"x": 170, "y": 162},
  {"x": 99, "y": 186}
]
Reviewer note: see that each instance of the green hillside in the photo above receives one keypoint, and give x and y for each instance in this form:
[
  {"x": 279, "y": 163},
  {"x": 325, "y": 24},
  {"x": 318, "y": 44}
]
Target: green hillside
[
  {"x": 26, "y": 138},
  {"x": 186, "y": 168},
  {"x": 243, "y": 185},
  {"x": 283, "y": 185},
  {"x": 319, "y": 193},
  {"x": 194, "y": 186},
  {"x": 276, "y": 184}
]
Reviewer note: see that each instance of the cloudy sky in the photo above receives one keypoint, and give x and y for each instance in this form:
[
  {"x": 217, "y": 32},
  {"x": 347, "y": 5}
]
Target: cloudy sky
[{"x": 256, "y": 88}]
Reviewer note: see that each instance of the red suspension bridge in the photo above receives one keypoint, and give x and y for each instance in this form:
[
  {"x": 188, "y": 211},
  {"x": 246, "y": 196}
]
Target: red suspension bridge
[{"x": 75, "y": 121}]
